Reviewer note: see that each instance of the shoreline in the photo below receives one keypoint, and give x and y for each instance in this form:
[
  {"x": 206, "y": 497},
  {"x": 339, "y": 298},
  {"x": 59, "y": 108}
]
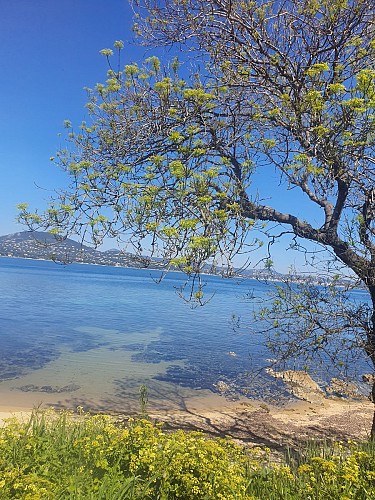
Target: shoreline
[
  {"x": 255, "y": 423},
  {"x": 295, "y": 422}
]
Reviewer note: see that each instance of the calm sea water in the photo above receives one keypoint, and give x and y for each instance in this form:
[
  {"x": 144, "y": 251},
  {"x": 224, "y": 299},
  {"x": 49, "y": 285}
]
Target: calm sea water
[{"x": 91, "y": 335}]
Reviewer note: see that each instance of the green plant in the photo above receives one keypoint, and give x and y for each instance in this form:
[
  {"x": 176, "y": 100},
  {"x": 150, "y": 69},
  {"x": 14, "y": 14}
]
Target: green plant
[
  {"x": 65, "y": 456},
  {"x": 143, "y": 400}
]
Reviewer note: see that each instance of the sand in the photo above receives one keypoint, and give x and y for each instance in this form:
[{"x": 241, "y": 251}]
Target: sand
[
  {"x": 9, "y": 413},
  {"x": 279, "y": 428}
]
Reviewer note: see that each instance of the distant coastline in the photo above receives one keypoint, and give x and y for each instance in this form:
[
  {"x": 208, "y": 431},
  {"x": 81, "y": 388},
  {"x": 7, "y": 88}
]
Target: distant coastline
[
  {"x": 85, "y": 263},
  {"x": 44, "y": 246}
]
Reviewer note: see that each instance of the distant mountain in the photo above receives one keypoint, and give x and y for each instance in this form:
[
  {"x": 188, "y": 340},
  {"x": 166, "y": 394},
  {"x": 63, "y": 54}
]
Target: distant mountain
[{"x": 41, "y": 245}]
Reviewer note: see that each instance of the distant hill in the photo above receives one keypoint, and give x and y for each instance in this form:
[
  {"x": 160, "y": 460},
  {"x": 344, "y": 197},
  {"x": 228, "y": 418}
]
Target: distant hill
[{"x": 41, "y": 245}]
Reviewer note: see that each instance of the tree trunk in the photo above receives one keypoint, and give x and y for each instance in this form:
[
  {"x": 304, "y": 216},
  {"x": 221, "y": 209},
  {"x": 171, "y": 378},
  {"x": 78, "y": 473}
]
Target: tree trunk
[
  {"x": 373, "y": 417},
  {"x": 371, "y": 352}
]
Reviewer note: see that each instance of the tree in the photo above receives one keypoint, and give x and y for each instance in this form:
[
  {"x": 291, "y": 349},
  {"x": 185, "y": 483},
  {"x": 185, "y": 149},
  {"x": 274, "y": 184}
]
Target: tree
[{"x": 169, "y": 160}]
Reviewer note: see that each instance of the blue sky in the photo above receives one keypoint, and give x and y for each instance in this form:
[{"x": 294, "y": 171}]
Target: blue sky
[{"x": 49, "y": 51}]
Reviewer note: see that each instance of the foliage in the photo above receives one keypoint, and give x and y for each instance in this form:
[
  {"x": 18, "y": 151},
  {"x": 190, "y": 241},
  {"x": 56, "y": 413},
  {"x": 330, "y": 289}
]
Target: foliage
[
  {"x": 54, "y": 455},
  {"x": 149, "y": 168},
  {"x": 305, "y": 105},
  {"x": 326, "y": 472}
]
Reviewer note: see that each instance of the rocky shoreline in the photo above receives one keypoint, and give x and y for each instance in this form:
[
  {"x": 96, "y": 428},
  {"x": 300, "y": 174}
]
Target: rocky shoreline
[{"x": 338, "y": 413}]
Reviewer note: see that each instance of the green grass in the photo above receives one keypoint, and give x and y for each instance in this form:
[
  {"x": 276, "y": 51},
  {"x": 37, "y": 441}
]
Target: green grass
[{"x": 61, "y": 456}]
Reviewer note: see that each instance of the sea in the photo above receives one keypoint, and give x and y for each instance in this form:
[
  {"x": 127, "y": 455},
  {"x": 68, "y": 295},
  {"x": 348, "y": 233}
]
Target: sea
[{"x": 95, "y": 336}]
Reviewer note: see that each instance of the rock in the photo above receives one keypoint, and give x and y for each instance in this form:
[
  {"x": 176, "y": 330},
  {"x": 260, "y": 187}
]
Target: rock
[
  {"x": 222, "y": 386},
  {"x": 300, "y": 384},
  {"x": 342, "y": 388}
]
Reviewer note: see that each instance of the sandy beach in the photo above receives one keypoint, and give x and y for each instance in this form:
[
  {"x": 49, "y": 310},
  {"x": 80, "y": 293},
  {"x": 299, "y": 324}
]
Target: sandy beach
[{"x": 278, "y": 428}]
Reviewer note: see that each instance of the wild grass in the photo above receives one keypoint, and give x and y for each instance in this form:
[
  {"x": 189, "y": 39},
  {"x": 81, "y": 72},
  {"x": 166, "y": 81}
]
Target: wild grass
[{"x": 56, "y": 455}]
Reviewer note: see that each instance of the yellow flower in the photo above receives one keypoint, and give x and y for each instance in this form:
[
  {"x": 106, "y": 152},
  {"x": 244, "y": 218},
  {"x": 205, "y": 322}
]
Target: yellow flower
[
  {"x": 285, "y": 471},
  {"x": 304, "y": 469}
]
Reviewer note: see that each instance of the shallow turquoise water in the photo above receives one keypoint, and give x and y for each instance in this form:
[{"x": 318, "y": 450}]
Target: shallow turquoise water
[{"x": 83, "y": 334}]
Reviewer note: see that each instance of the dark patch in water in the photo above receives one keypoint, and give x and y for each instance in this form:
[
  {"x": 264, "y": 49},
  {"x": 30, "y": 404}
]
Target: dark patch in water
[
  {"x": 159, "y": 351},
  {"x": 49, "y": 388},
  {"x": 230, "y": 385},
  {"x": 21, "y": 361},
  {"x": 22, "y": 353},
  {"x": 228, "y": 371}
]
